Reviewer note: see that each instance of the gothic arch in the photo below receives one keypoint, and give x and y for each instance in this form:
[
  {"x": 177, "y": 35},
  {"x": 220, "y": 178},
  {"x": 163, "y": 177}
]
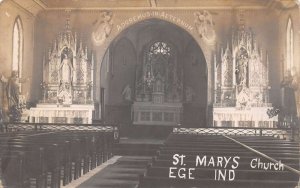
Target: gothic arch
[
  {"x": 116, "y": 38},
  {"x": 206, "y": 49}
]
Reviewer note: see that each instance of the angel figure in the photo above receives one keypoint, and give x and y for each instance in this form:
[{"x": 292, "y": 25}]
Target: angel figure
[
  {"x": 204, "y": 25},
  {"x": 103, "y": 27}
]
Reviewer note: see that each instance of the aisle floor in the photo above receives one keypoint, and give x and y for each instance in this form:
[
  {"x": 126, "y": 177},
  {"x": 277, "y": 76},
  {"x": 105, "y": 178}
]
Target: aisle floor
[{"x": 123, "y": 173}]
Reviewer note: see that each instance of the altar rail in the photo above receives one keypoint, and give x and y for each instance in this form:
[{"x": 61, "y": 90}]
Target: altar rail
[
  {"x": 98, "y": 127},
  {"x": 283, "y": 133}
]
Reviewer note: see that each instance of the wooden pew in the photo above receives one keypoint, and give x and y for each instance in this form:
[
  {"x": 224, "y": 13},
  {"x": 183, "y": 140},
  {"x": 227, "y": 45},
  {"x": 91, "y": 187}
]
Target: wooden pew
[
  {"x": 158, "y": 171},
  {"x": 63, "y": 155}
]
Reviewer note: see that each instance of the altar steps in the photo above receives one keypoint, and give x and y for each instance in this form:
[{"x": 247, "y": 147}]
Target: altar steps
[
  {"x": 157, "y": 174},
  {"x": 145, "y": 131},
  {"x": 137, "y": 147},
  {"x": 141, "y": 140}
]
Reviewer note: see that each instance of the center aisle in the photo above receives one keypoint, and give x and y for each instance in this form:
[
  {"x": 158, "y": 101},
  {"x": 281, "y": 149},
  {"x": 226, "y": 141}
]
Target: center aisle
[{"x": 122, "y": 174}]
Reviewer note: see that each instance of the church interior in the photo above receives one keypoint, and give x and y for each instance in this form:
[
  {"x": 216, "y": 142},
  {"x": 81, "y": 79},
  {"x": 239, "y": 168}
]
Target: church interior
[{"x": 97, "y": 93}]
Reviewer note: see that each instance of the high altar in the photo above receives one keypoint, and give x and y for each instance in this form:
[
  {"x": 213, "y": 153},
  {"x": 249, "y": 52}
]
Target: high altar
[
  {"x": 158, "y": 91},
  {"x": 242, "y": 84},
  {"x": 67, "y": 82}
]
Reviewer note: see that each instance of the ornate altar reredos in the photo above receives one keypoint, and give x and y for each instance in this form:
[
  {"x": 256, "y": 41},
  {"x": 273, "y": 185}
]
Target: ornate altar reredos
[
  {"x": 158, "y": 91},
  {"x": 242, "y": 83},
  {"x": 67, "y": 82}
]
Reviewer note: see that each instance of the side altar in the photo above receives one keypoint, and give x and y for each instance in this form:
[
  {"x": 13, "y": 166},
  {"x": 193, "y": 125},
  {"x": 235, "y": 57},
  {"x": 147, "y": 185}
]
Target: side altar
[
  {"x": 242, "y": 84},
  {"x": 68, "y": 70},
  {"x": 158, "y": 88}
]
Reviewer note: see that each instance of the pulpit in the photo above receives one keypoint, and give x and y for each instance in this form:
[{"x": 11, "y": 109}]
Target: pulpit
[
  {"x": 68, "y": 70},
  {"x": 158, "y": 92}
]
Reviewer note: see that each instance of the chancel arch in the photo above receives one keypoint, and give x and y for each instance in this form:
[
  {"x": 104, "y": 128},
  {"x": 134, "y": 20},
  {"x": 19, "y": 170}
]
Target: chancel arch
[
  {"x": 17, "y": 49},
  {"x": 146, "y": 71}
]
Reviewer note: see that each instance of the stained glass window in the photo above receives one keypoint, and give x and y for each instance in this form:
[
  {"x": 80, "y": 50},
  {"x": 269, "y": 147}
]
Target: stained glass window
[{"x": 160, "y": 48}]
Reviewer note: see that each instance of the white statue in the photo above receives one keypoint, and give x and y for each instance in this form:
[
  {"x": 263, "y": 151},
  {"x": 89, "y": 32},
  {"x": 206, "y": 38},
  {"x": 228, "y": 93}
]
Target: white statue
[
  {"x": 103, "y": 27},
  {"x": 242, "y": 68},
  {"x": 66, "y": 70},
  {"x": 204, "y": 25},
  {"x": 127, "y": 94}
]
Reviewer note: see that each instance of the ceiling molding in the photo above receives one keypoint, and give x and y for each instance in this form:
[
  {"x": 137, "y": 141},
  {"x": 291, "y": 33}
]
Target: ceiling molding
[
  {"x": 162, "y": 8},
  {"x": 141, "y": 4},
  {"x": 36, "y": 6},
  {"x": 41, "y": 4},
  {"x": 31, "y": 7},
  {"x": 21, "y": 8}
]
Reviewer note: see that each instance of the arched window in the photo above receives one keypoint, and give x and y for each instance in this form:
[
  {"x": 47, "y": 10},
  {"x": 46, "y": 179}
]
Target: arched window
[
  {"x": 17, "y": 46},
  {"x": 290, "y": 47},
  {"x": 160, "y": 48}
]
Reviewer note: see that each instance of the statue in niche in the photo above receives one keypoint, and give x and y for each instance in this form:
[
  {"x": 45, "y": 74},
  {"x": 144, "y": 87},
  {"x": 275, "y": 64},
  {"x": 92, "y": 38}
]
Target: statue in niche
[
  {"x": 66, "y": 77},
  {"x": 127, "y": 93},
  {"x": 242, "y": 67},
  {"x": 204, "y": 25},
  {"x": 103, "y": 27},
  {"x": 66, "y": 70}
]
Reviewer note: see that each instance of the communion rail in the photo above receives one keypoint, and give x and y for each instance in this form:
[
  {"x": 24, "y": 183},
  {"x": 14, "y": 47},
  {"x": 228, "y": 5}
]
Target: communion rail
[
  {"x": 282, "y": 133},
  {"x": 17, "y": 126}
]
